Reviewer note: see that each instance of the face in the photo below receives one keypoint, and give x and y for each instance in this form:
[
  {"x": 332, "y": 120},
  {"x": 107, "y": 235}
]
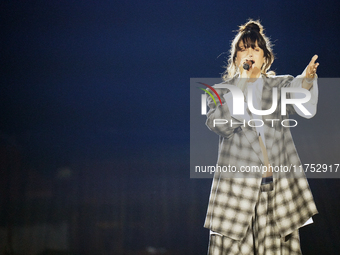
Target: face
[{"x": 249, "y": 53}]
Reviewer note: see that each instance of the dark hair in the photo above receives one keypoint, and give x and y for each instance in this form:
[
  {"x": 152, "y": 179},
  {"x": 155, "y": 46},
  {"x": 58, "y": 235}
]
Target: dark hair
[{"x": 249, "y": 34}]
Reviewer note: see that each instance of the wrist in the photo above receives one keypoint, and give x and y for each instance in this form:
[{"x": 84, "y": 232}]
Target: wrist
[{"x": 309, "y": 80}]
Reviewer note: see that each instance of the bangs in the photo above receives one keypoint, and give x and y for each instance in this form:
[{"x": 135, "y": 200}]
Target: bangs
[{"x": 249, "y": 39}]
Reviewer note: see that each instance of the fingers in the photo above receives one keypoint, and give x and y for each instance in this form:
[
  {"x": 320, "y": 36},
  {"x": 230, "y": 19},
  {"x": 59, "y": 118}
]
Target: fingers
[
  {"x": 312, "y": 66},
  {"x": 314, "y": 58}
]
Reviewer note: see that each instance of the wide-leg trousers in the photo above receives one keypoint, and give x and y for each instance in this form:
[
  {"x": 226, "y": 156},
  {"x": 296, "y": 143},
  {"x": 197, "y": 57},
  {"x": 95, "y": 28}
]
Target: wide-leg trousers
[{"x": 262, "y": 236}]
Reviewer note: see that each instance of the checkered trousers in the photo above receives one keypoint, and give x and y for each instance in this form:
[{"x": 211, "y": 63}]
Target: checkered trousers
[{"x": 262, "y": 236}]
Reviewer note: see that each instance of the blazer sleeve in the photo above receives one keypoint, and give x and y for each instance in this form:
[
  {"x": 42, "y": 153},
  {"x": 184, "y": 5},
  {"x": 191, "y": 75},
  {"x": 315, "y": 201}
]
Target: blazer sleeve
[{"x": 311, "y": 105}]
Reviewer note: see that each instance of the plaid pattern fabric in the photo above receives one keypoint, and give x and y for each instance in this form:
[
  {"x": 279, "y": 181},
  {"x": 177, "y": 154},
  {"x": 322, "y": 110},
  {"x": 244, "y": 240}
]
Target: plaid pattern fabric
[
  {"x": 262, "y": 236},
  {"x": 233, "y": 196}
]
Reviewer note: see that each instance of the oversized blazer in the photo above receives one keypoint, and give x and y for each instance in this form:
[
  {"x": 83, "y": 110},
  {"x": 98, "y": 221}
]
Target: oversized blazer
[{"x": 233, "y": 195}]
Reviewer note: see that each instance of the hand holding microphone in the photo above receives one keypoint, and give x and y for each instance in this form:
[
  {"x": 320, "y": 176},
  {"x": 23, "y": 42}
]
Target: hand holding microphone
[
  {"x": 247, "y": 67},
  {"x": 248, "y": 64}
]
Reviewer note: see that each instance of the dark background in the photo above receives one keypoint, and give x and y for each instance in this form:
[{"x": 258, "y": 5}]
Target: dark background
[{"x": 94, "y": 131}]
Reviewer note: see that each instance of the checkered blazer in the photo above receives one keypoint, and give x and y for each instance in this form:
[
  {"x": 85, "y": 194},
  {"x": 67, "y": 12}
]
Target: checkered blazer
[{"x": 233, "y": 195}]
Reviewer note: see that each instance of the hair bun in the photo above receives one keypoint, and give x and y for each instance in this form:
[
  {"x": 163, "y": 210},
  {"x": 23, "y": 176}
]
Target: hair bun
[{"x": 252, "y": 26}]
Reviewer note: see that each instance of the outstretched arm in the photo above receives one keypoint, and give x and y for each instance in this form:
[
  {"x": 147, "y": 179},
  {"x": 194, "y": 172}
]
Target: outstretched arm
[
  {"x": 307, "y": 80},
  {"x": 309, "y": 73}
]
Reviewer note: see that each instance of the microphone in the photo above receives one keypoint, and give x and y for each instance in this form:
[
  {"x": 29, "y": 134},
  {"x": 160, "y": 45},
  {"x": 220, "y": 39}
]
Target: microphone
[{"x": 247, "y": 65}]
